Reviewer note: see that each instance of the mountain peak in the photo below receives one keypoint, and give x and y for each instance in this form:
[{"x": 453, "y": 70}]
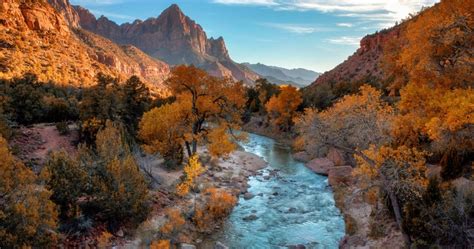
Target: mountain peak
[{"x": 174, "y": 9}]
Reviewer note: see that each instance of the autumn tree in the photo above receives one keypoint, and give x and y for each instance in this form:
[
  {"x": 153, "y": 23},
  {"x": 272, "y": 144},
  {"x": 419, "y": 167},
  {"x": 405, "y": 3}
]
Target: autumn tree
[
  {"x": 398, "y": 173},
  {"x": 436, "y": 95},
  {"x": 164, "y": 138},
  {"x": 27, "y": 216},
  {"x": 352, "y": 124},
  {"x": 281, "y": 108},
  {"x": 204, "y": 103}
]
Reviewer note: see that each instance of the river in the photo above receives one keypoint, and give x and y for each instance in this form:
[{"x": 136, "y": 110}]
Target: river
[{"x": 295, "y": 207}]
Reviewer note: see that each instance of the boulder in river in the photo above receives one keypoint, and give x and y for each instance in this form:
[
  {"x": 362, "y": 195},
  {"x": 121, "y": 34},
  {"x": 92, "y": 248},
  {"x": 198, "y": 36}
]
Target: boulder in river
[
  {"x": 187, "y": 246},
  {"x": 250, "y": 217},
  {"x": 320, "y": 165},
  {"x": 219, "y": 245},
  {"x": 248, "y": 196},
  {"x": 302, "y": 156}
]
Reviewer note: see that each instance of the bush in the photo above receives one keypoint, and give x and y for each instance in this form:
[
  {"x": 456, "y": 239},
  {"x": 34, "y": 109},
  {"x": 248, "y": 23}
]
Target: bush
[
  {"x": 27, "y": 216},
  {"x": 63, "y": 128},
  {"x": 218, "y": 205}
]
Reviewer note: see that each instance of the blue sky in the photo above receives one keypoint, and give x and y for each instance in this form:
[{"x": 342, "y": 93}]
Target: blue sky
[{"x": 312, "y": 34}]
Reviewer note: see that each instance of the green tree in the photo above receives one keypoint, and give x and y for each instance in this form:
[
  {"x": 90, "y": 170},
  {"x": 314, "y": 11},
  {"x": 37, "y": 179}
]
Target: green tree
[{"x": 68, "y": 181}]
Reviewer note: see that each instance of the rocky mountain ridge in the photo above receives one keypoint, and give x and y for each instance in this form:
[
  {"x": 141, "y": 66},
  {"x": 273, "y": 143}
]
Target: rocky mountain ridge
[
  {"x": 172, "y": 37},
  {"x": 365, "y": 62},
  {"x": 298, "y": 77}
]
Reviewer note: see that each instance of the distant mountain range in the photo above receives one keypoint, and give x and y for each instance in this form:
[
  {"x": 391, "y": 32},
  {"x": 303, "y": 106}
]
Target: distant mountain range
[{"x": 298, "y": 77}]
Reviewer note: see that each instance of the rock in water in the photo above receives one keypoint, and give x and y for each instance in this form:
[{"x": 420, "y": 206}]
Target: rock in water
[
  {"x": 320, "y": 165},
  {"x": 250, "y": 217},
  {"x": 187, "y": 246},
  {"x": 248, "y": 196},
  {"x": 219, "y": 245}
]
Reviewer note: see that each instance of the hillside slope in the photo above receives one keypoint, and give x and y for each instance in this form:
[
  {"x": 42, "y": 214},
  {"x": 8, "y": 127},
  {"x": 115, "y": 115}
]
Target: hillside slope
[
  {"x": 364, "y": 66},
  {"x": 35, "y": 37}
]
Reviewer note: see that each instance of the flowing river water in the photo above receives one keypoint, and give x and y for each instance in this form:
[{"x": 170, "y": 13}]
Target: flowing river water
[{"x": 294, "y": 207}]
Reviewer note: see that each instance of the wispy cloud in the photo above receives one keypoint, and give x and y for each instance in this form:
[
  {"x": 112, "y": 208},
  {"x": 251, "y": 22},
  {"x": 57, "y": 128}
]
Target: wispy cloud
[
  {"x": 378, "y": 11},
  {"x": 345, "y": 40},
  {"x": 247, "y": 2},
  {"x": 296, "y": 28},
  {"x": 345, "y": 24}
]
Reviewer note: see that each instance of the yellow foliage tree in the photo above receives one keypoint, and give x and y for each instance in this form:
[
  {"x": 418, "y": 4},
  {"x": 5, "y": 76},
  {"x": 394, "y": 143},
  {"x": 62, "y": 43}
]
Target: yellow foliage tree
[
  {"x": 161, "y": 136},
  {"x": 282, "y": 107},
  {"x": 437, "y": 98},
  {"x": 352, "y": 124},
  {"x": 192, "y": 170},
  {"x": 398, "y": 172},
  {"x": 27, "y": 216},
  {"x": 202, "y": 103}
]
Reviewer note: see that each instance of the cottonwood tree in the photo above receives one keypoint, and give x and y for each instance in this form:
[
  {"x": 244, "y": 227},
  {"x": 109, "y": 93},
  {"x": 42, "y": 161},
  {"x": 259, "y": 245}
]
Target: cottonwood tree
[
  {"x": 352, "y": 124},
  {"x": 281, "y": 108},
  {"x": 203, "y": 104}
]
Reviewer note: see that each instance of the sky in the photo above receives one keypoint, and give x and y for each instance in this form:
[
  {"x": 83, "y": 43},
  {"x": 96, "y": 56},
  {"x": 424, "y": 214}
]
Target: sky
[{"x": 311, "y": 34}]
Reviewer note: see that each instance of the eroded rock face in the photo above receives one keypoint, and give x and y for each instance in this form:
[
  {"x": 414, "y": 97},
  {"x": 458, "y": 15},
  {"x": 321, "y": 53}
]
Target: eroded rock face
[
  {"x": 66, "y": 10},
  {"x": 320, "y": 165},
  {"x": 340, "y": 175},
  {"x": 336, "y": 156},
  {"x": 172, "y": 37},
  {"x": 25, "y": 15}
]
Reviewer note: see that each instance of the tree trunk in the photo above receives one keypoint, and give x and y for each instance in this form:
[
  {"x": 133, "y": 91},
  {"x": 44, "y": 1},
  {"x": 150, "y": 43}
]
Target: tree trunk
[
  {"x": 397, "y": 212},
  {"x": 188, "y": 148}
]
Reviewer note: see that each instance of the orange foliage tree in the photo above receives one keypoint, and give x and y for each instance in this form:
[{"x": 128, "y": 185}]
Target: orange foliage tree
[
  {"x": 203, "y": 104},
  {"x": 282, "y": 107},
  {"x": 437, "y": 96}
]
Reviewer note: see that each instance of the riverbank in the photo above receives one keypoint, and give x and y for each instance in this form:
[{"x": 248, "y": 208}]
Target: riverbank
[
  {"x": 367, "y": 223},
  {"x": 259, "y": 126},
  {"x": 230, "y": 174}
]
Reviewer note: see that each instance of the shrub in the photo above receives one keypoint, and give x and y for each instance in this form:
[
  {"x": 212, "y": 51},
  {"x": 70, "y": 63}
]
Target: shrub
[
  {"x": 218, "y": 205},
  {"x": 27, "y": 216},
  {"x": 63, "y": 128}
]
